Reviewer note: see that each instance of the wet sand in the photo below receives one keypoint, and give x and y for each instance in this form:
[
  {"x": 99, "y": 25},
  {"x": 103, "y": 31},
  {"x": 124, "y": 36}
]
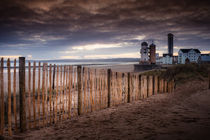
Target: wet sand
[
  {"x": 119, "y": 68},
  {"x": 184, "y": 114}
]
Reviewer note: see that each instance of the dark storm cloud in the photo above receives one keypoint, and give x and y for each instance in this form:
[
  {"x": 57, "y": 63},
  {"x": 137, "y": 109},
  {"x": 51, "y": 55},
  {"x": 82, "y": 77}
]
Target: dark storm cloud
[{"x": 59, "y": 24}]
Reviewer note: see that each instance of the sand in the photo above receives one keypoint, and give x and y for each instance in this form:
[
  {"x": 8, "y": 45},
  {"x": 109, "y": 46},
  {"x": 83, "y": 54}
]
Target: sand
[
  {"x": 119, "y": 68},
  {"x": 184, "y": 114}
]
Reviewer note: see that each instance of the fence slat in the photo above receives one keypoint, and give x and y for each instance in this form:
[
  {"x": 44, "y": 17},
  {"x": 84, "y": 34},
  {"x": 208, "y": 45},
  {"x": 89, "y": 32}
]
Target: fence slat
[
  {"x": 9, "y": 99},
  {"x": 102, "y": 90},
  {"x": 66, "y": 92},
  {"x": 109, "y": 87},
  {"x": 56, "y": 96},
  {"x": 161, "y": 85},
  {"x": 94, "y": 89},
  {"x": 75, "y": 91},
  {"x": 85, "y": 89},
  {"x": 165, "y": 86},
  {"x": 91, "y": 90},
  {"x": 121, "y": 86},
  {"x": 209, "y": 79},
  {"x": 137, "y": 86},
  {"x": 50, "y": 92},
  {"x": 60, "y": 93},
  {"x": 2, "y": 96},
  {"x": 97, "y": 89},
  {"x": 29, "y": 94},
  {"x": 63, "y": 91},
  {"x": 14, "y": 96},
  {"x": 150, "y": 85},
  {"x": 34, "y": 92},
  {"x": 70, "y": 91},
  {"x": 46, "y": 94},
  {"x": 38, "y": 94},
  {"x": 43, "y": 93},
  {"x": 129, "y": 78},
  {"x": 113, "y": 88},
  {"x": 155, "y": 84},
  {"x": 143, "y": 86}
]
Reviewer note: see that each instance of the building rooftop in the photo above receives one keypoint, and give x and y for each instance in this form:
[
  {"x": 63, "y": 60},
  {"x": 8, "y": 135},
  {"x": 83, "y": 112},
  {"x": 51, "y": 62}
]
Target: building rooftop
[
  {"x": 187, "y": 50},
  {"x": 170, "y": 34},
  {"x": 166, "y": 54},
  {"x": 152, "y": 45},
  {"x": 144, "y": 44}
]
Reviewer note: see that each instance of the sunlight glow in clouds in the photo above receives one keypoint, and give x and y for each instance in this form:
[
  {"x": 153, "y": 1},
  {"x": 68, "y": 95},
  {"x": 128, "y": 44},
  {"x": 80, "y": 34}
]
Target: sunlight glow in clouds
[
  {"x": 10, "y": 56},
  {"x": 70, "y": 57},
  {"x": 140, "y": 37},
  {"x": 96, "y": 46},
  {"x": 123, "y": 55}
]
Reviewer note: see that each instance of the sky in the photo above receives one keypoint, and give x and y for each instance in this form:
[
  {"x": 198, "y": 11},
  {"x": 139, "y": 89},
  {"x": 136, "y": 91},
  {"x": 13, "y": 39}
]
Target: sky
[{"x": 94, "y": 29}]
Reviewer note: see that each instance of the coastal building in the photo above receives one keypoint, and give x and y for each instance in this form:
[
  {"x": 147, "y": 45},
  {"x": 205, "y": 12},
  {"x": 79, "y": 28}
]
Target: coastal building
[
  {"x": 152, "y": 53},
  {"x": 144, "y": 53},
  {"x": 167, "y": 59},
  {"x": 170, "y": 44},
  {"x": 175, "y": 59},
  {"x": 205, "y": 59},
  {"x": 157, "y": 56},
  {"x": 188, "y": 56}
]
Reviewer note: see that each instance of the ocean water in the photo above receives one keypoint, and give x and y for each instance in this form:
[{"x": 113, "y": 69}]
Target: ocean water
[
  {"x": 88, "y": 64},
  {"x": 85, "y": 63}
]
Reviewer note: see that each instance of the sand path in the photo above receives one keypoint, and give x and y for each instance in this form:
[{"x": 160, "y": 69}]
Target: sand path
[{"x": 184, "y": 114}]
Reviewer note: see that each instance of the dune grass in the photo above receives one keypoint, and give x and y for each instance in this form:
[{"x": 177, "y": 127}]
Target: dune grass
[{"x": 183, "y": 73}]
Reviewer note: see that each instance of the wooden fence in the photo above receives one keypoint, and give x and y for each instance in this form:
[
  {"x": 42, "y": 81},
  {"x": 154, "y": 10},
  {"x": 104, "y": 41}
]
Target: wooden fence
[{"x": 43, "y": 94}]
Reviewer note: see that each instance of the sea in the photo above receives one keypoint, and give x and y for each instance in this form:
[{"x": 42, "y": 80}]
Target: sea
[{"x": 95, "y": 64}]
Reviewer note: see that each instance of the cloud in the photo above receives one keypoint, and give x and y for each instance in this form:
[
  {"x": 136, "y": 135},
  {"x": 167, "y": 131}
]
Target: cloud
[
  {"x": 140, "y": 37},
  {"x": 205, "y": 52},
  {"x": 70, "y": 57},
  {"x": 29, "y": 57},
  {"x": 95, "y": 46},
  {"x": 62, "y": 25}
]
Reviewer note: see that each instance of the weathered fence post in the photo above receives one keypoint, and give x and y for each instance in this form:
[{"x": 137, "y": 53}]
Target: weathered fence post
[
  {"x": 147, "y": 86},
  {"x": 158, "y": 88},
  {"x": 79, "y": 86},
  {"x": 209, "y": 80},
  {"x": 150, "y": 85},
  {"x": 166, "y": 86},
  {"x": 155, "y": 84},
  {"x": 109, "y": 87},
  {"x": 129, "y": 97},
  {"x": 2, "y": 96},
  {"x": 139, "y": 86},
  {"x": 22, "y": 94},
  {"x": 9, "y": 99}
]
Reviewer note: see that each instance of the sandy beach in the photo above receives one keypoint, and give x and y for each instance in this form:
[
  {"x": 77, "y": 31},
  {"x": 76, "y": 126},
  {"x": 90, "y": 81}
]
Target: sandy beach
[{"x": 185, "y": 114}]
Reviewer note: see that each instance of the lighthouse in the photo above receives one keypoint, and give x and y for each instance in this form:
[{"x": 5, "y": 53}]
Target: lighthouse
[{"x": 144, "y": 53}]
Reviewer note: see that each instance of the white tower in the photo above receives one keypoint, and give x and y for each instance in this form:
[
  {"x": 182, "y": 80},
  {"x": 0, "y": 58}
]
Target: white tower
[{"x": 144, "y": 52}]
